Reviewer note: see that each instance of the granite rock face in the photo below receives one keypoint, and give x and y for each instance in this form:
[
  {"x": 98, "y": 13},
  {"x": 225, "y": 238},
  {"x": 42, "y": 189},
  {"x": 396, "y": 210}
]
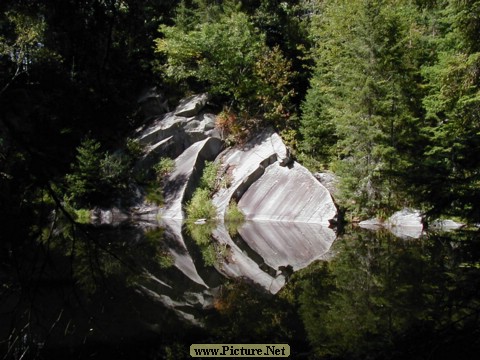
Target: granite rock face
[
  {"x": 172, "y": 133},
  {"x": 268, "y": 186},
  {"x": 288, "y": 194}
]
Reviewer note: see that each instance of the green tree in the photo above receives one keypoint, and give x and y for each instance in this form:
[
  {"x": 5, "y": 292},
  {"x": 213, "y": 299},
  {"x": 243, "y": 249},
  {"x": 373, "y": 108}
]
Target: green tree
[
  {"x": 450, "y": 184},
  {"x": 361, "y": 112},
  {"x": 228, "y": 57},
  {"x": 97, "y": 176}
]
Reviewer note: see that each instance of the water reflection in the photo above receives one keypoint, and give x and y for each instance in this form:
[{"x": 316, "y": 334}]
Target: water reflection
[
  {"x": 149, "y": 291},
  {"x": 382, "y": 297}
]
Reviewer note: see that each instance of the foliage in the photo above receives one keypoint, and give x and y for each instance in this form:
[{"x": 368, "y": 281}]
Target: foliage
[
  {"x": 381, "y": 297},
  {"x": 360, "y": 114},
  {"x": 154, "y": 194},
  {"x": 234, "y": 218},
  {"x": 452, "y": 126},
  {"x": 209, "y": 176},
  {"x": 227, "y": 55},
  {"x": 164, "y": 167},
  {"x": 96, "y": 176},
  {"x": 83, "y": 216},
  {"x": 201, "y": 206}
]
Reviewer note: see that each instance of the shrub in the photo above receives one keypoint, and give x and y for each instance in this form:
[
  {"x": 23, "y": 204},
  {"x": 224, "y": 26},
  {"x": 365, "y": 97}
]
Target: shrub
[
  {"x": 201, "y": 206},
  {"x": 234, "y": 214},
  {"x": 154, "y": 194},
  {"x": 164, "y": 167},
  {"x": 82, "y": 216},
  {"x": 209, "y": 176}
]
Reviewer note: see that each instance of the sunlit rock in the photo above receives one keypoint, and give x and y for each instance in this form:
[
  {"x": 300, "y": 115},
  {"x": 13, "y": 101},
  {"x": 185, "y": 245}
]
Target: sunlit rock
[
  {"x": 445, "y": 225},
  {"x": 288, "y": 194},
  {"x": 406, "y": 223},
  {"x": 243, "y": 165},
  {"x": 266, "y": 189},
  {"x": 192, "y": 105},
  {"x": 173, "y": 132}
]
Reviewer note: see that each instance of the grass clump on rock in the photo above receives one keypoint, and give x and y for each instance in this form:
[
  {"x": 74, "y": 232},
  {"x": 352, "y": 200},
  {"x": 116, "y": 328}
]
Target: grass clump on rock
[{"x": 201, "y": 206}]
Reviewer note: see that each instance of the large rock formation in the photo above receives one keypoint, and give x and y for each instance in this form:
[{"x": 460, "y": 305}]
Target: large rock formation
[
  {"x": 268, "y": 190},
  {"x": 288, "y": 194},
  {"x": 172, "y": 133}
]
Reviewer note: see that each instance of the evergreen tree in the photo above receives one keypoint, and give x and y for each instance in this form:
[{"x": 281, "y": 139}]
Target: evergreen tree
[
  {"x": 361, "y": 106},
  {"x": 451, "y": 170}
]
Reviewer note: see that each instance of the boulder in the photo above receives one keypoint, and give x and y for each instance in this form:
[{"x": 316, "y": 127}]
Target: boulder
[
  {"x": 288, "y": 194},
  {"x": 192, "y": 105},
  {"x": 445, "y": 225},
  {"x": 266, "y": 189},
  {"x": 172, "y": 133},
  {"x": 406, "y": 223},
  {"x": 243, "y": 165}
]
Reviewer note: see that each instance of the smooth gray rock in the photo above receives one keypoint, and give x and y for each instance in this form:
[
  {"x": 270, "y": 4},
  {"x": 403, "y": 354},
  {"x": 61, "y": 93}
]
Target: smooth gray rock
[
  {"x": 192, "y": 105},
  {"x": 289, "y": 194},
  {"x": 244, "y": 165},
  {"x": 170, "y": 134},
  {"x": 180, "y": 184},
  {"x": 265, "y": 189},
  {"x": 406, "y": 223},
  {"x": 445, "y": 225}
]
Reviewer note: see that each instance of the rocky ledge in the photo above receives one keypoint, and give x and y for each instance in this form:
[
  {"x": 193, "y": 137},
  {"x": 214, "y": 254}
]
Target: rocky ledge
[{"x": 259, "y": 175}]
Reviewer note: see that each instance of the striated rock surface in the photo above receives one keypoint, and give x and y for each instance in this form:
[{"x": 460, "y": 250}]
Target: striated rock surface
[
  {"x": 192, "y": 105},
  {"x": 242, "y": 166},
  {"x": 266, "y": 189},
  {"x": 182, "y": 181},
  {"x": 289, "y": 194},
  {"x": 173, "y": 132}
]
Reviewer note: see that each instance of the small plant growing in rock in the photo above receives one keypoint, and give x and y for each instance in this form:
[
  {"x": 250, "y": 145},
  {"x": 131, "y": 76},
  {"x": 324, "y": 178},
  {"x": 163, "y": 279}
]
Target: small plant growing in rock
[
  {"x": 164, "y": 167},
  {"x": 201, "y": 206},
  {"x": 209, "y": 176}
]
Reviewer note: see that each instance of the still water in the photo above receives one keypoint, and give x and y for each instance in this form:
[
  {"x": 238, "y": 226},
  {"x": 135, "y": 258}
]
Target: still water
[{"x": 145, "y": 291}]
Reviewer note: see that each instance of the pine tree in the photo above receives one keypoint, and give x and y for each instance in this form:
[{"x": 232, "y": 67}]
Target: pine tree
[{"x": 361, "y": 106}]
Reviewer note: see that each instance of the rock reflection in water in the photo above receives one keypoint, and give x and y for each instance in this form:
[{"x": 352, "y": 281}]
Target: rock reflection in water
[{"x": 263, "y": 253}]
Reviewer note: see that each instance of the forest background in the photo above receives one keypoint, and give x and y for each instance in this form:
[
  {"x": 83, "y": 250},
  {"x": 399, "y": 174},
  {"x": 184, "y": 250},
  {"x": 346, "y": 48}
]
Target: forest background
[{"x": 384, "y": 93}]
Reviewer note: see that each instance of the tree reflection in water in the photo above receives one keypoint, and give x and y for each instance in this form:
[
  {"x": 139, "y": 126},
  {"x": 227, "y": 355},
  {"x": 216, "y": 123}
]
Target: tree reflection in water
[
  {"x": 386, "y": 298},
  {"x": 379, "y": 298}
]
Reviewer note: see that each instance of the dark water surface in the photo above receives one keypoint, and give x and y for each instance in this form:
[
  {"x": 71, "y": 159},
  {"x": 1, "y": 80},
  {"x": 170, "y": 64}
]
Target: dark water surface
[{"x": 141, "y": 291}]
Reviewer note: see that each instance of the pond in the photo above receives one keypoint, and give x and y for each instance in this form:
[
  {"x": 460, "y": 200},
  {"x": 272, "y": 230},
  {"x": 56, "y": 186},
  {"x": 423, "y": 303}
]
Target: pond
[{"x": 148, "y": 291}]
